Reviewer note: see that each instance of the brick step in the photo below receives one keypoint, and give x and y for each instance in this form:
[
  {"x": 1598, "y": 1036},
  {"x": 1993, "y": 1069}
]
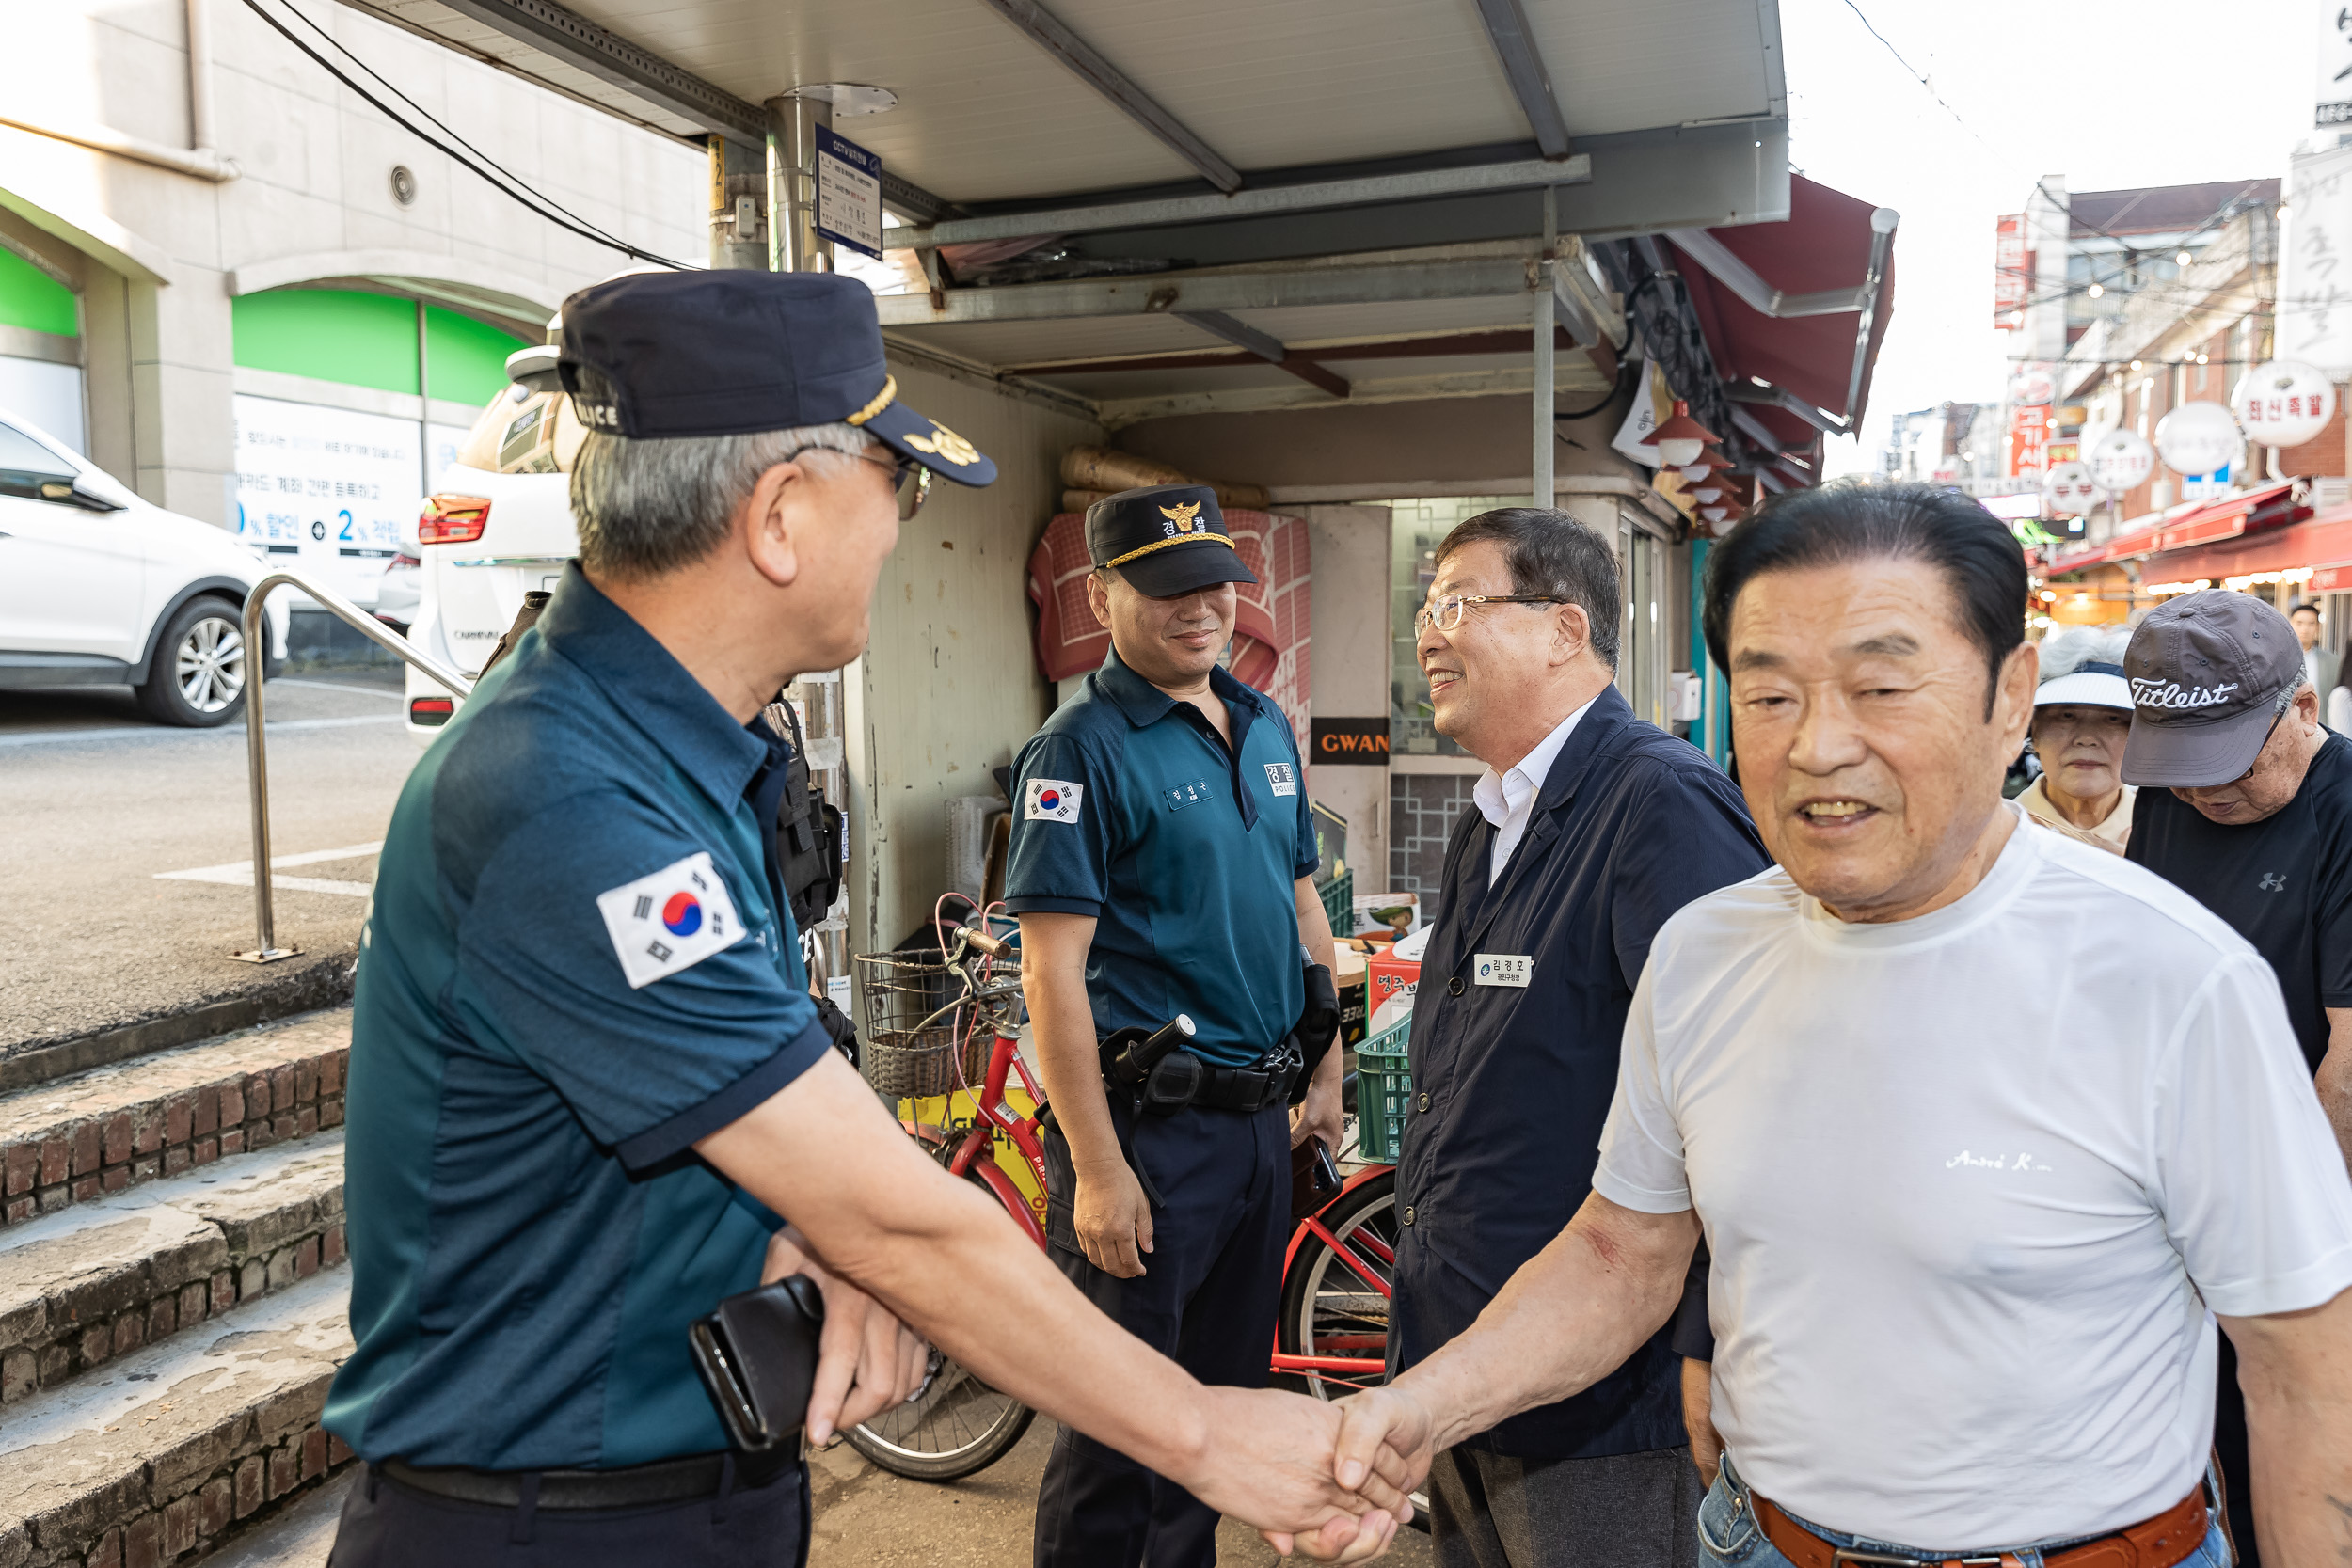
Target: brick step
[
  {"x": 97, "y": 1280},
  {"x": 76, "y": 1139},
  {"x": 302, "y": 1536},
  {"x": 178, "y": 1447}
]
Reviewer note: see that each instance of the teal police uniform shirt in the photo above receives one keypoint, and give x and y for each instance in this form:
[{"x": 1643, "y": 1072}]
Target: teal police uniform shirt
[
  {"x": 578, "y": 962},
  {"x": 1129, "y": 808}
]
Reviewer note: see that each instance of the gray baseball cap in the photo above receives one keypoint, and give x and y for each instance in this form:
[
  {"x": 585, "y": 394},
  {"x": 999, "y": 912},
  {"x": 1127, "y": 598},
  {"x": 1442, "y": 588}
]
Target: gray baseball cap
[{"x": 2206, "y": 671}]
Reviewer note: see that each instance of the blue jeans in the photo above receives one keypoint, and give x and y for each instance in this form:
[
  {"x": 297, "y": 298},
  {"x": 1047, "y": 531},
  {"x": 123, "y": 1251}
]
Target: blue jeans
[{"x": 1729, "y": 1536}]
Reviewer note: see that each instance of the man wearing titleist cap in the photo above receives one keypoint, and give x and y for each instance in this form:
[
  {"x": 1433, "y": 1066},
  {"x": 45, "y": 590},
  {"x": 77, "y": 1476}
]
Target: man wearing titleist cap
[
  {"x": 1968, "y": 1247},
  {"x": 2251, "y": 816},
  {"x": 1163, "y": 861},
  {"x": 589, "y": 1097}
]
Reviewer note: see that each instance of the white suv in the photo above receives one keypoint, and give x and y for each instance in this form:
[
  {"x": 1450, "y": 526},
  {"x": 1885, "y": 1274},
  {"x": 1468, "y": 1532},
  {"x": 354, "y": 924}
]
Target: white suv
[
  {"x": 498, "y": 527},
  {"x": 101, "y": 588}
]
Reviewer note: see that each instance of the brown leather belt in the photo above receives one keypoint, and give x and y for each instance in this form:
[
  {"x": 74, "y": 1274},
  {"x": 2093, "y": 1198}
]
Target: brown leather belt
[{"x": 2158, "y": 1542}]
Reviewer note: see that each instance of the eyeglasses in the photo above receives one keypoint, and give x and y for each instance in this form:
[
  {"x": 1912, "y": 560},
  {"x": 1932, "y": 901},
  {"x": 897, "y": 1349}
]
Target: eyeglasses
[
  {"x": 910, "y": 479},
  {"x": 1446, "y": 614}
]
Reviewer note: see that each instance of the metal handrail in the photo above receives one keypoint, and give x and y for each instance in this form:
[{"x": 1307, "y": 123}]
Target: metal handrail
[{"x": 265, "y": 948}]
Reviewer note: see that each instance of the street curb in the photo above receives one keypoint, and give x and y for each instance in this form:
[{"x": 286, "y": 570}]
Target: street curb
[{"x": 325, "y": 982}]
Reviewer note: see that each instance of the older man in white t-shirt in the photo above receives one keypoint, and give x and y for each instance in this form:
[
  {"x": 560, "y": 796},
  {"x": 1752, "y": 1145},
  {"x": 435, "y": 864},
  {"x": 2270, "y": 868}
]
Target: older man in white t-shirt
[{"x": 1982, "y": 1127}]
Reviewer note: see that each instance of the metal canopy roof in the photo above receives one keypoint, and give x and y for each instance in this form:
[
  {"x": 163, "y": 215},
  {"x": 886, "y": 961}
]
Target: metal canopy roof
[{"x": 1285, "y": 203}]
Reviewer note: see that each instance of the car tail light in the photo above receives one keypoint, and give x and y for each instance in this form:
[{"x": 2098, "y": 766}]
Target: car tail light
[
  {"x": 452, "y": 519},
  {"x": 430, "y": 711},
  {"x": 401, "y": 561}
]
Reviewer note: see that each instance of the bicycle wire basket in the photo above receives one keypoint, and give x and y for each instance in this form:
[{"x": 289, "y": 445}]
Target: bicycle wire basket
[{"x": 917, "y": 1020}]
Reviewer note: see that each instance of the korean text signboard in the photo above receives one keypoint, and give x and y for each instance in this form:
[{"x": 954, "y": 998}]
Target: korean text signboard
[
  {"x": 332, "y": 489},
  {"x": 2315, "y": 283},
  {"x": 2028, "y": 438},
  {"x": 848, "y": 193},
  {"x": 2013, "y": 270},
  {"x": 2331, "y": 103}
]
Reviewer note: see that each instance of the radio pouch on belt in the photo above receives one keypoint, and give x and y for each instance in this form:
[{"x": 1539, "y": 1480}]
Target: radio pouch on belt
[
  {"x": 1318, "y": 1025},
  {"x": 808, "y": 833}
]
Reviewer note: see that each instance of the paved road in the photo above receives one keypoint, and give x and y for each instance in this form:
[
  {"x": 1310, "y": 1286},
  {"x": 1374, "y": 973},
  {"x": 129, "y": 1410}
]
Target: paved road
[
  {"x": 99, "y": 800},
  {"x": 868, "y": 1518}
]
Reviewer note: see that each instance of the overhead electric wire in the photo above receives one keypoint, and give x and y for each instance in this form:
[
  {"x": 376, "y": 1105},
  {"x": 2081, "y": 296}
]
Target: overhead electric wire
[
  {"x": 513, "y": 188},
  {"x": 443, "y": 126}
]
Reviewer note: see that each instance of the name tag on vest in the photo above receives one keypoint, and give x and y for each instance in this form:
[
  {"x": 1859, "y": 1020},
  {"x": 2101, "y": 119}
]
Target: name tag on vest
[{"x": 1502, "y": 969}]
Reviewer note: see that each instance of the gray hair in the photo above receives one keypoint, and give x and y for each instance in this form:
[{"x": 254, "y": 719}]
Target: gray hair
[
  {"x": 2067, "y": 651},
  {"x": 1551, "y": 553},
  {"x": 646, "y": 506}
]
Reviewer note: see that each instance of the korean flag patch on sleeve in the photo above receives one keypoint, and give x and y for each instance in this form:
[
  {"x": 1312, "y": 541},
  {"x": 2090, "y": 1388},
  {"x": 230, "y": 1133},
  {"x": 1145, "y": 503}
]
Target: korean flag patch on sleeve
[
  {"x": 1050, "y": 800},
  {"x": 670, "y": 921}
]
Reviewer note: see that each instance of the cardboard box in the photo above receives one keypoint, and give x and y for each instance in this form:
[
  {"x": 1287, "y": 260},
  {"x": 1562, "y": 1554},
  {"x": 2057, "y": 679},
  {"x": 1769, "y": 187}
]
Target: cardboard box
[
  {"x": 1347, "y": 977},
  {"x": 1386, "y": 904},
  {"x": 1389, "y": 977}
]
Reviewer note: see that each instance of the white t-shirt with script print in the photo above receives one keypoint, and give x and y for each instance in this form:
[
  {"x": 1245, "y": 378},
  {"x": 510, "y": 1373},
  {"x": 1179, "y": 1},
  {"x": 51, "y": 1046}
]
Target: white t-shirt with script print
[{"x": 1971, "y": 1182}]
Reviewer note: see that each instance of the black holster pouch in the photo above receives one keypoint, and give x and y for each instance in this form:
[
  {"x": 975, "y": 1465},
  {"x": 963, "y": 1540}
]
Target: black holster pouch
[
  {"x": 1174, "y": 1079},
  {"x": 1318, "y": 1025},
  {"x": 809, "y": 833}
]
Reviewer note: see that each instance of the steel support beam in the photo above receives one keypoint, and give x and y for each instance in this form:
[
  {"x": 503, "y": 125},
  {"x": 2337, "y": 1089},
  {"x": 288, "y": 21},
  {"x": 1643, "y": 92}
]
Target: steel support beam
[
  {"x": 1266, "y": 347},
  {"x": 1883, "y": 225},
  {"x": 1171, "y": 294},
  {"x": 1523, "y": 66},
  {"x": 1541, "y": 433},
  {"x": 1769, "y": 396},
  {"x": 1504, "y": 339},
  {"x": 1641, "y": 182},
  {"x": 1742, "y": 280},
  {"x": 1258, "y": 201},
  {"x": 1049, "y": 33},
  {"x": 564, "y": 35}
]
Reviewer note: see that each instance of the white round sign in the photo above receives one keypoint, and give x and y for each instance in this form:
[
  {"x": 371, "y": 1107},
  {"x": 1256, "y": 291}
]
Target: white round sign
[
  {"x": 2068, "y": 490},
  {"x": 2199, "y": 438},
  {"x": 2285, "y": 403},
  {"x": 2121, "y": 460},
  {"x": 2033, "y": 382}
]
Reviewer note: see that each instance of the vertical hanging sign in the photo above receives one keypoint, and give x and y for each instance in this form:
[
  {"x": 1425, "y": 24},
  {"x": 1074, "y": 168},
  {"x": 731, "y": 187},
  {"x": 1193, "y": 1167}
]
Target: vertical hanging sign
[
  {"x": 848, "y": 193},
  {"x": 2332, "y": 104}
]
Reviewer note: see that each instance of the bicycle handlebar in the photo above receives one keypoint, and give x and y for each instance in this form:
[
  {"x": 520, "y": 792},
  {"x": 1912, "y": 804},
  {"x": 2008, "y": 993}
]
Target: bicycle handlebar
[{"x": 996, "y": 947}]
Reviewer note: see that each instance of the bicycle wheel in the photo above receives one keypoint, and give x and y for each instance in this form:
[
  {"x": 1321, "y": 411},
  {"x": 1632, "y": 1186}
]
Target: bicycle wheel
[
  {"x": 1329, "y": 1305},
  {"x": 958, "y": 1426}
]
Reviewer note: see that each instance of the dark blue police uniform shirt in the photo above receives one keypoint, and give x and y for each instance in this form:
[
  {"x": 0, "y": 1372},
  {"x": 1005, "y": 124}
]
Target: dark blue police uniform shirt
[
  {"x": 530, "y": 1230},
  {"x": 1511, "y": 1086},
  {"x": 1129, "y": 808}
]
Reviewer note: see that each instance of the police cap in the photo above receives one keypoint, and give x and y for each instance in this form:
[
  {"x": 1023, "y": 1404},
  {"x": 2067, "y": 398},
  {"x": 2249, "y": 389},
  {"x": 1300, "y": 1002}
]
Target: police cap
[
  {"x": 734, "y": 352},
  {"x": 1166, "y": 540}
]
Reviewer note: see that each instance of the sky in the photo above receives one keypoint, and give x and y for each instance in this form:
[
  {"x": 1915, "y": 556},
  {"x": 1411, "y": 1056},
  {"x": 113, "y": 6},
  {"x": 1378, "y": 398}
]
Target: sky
[{"x": 2149, "y": 92}]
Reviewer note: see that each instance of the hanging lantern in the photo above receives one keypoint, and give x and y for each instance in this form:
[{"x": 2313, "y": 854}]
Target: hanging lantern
[
  {"x": 2199, "y": 438},
  {"x": 2285, "y": 403},
  {"x": 1682, "y": 440},
  {"x": 1709, "y": 461},
  {"x": 1707, "y": 492}
]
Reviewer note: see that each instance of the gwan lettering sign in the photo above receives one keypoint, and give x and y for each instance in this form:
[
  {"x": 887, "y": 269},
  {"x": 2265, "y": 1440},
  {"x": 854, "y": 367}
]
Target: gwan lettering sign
[{"x": 1348, "y": 742}]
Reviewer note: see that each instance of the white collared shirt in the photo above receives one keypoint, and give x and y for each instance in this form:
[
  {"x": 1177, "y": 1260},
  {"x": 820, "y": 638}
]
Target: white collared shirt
[{"x": 1508, "y": 799}]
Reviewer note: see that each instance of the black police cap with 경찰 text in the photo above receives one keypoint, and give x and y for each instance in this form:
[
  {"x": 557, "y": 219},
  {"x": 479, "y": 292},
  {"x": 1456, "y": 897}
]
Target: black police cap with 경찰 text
[
  {"x": 731, "y": 353},
  {"x": 1166, "y": 540}
]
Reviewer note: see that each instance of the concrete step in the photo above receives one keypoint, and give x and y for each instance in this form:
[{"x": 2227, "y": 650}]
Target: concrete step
[
  {"x": 181, "y": 1447},
  {"x": 302, "y": 1536},
  {"x": 94, "y": 1281},
  {"x": 76, "y": 1139}
]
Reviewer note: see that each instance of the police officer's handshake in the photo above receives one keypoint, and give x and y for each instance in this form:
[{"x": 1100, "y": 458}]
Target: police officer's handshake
[{"x": 589, "y": 1095}]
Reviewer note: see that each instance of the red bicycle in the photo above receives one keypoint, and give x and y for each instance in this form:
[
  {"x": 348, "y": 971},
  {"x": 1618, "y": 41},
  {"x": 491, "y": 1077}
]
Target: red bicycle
[{"x": 1332, "y": 1335}]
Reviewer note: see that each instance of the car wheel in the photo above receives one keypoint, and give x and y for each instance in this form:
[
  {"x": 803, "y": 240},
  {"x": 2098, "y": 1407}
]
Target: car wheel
[{"x": 198, "y": 675}]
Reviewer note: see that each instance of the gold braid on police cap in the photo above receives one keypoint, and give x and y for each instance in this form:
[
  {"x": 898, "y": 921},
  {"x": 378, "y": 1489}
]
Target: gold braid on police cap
[
  {"x": 1163, "y": 544},
  {"x": 882, "y": 401}
]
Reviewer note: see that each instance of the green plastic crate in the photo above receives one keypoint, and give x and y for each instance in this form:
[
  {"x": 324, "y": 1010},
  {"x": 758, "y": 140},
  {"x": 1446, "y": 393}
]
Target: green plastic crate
[
  {"x": 1339, "y": 903},
  {"x": 1383, "y": 1085}
]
